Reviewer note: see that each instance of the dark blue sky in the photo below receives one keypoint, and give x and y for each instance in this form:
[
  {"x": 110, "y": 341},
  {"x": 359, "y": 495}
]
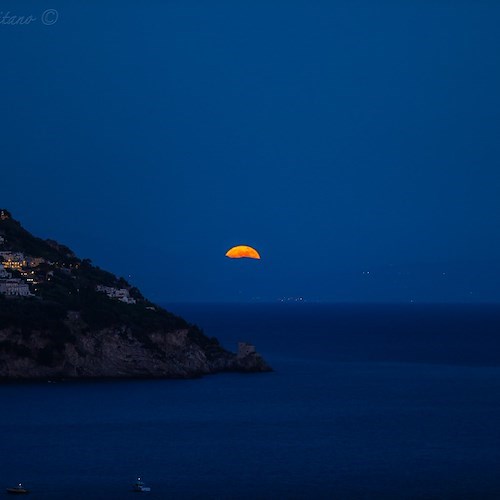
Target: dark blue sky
[{"x": 337, "y": 138}]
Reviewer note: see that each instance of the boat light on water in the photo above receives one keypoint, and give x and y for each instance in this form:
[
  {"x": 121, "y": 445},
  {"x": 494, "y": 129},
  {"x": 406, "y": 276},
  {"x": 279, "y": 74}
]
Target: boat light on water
[
  {"x": 140, "y": 487},
  {"x": 18, "y": 490}
]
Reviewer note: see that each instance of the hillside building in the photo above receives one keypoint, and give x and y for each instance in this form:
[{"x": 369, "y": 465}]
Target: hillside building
[
  {"x": 14, "y": 286},
  {"x": 13, "y": 260},
  {"x": 122, "y": 294}
]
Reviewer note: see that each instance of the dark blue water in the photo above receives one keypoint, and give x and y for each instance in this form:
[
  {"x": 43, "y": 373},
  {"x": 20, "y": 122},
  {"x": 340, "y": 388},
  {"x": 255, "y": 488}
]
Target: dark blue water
[{"x": 365, "y": 402}]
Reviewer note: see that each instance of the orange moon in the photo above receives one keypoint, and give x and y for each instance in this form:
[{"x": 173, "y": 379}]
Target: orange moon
[{"x": 242, "y": 251}]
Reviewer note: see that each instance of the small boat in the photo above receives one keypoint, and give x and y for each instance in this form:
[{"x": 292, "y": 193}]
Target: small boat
[
  {"x": 140, "y": 487},
  {"x": 18, "y": 490}
]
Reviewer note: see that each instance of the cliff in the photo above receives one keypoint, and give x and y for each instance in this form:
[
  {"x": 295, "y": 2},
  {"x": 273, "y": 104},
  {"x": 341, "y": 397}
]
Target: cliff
[{"x": 62, "y": 317}]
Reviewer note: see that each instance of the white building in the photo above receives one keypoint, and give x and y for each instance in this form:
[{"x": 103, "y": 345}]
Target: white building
[
  {"x": 14, "y": 286},
  {"x": 122, "y": 294}
]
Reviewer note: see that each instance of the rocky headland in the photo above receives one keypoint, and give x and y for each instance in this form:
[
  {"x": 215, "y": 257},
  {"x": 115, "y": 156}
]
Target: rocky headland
[{"x": 61, "y": 317}]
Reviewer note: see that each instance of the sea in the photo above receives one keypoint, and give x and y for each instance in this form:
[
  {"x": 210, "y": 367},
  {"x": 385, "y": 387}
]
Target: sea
[{"x": 365, "y": 402}]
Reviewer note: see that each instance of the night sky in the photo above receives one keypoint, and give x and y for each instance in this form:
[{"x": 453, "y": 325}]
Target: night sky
[{"x": 354, "y": 144}]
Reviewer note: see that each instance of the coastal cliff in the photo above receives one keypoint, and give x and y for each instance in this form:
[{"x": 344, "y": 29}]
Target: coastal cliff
[{"x": 62, "y": 317}]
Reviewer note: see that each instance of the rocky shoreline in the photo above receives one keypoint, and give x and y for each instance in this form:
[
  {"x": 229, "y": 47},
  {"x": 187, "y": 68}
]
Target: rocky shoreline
[{"x": 116, "y": 353}]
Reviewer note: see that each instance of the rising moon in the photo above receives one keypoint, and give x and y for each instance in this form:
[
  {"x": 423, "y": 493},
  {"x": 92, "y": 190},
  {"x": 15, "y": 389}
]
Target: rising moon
[{"x": 242, "y": 251}]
